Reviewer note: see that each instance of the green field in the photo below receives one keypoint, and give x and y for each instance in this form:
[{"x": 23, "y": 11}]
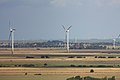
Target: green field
[
  {"x": 61, "y": 62},
  {"x": 114, "y": 63},
  {"x": 33, "y": 77}
]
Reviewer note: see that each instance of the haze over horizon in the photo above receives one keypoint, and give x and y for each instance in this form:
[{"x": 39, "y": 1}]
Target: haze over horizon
[{"x": 43, "y": 19}]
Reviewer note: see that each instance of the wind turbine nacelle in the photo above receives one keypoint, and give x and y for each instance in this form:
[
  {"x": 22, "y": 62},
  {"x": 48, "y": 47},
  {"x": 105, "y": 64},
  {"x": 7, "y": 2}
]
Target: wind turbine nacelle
[
  {"x": 11, "y": 30},
  {"x": 67, "y": 30},
  {"x": 114, "y": 39}
]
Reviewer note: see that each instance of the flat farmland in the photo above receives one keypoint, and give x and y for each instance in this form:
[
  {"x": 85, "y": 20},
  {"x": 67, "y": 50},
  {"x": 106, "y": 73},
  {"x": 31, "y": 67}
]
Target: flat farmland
[
  {"x": 61, "y": 62},
  {"x": 55, "y": 73},
  {"x": 54, "y": 50},
  {"x": 49, "y": 64}
]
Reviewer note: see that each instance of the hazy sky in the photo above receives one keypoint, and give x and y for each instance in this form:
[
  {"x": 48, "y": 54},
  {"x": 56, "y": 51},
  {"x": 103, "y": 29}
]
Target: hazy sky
[{"x": 42, "y": 19}]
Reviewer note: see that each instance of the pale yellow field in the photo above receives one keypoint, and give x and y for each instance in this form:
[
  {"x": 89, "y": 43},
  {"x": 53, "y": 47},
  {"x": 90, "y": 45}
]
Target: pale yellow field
[
  {"x": 54, "y": 50},
  {"x": 99, "y": 72}
]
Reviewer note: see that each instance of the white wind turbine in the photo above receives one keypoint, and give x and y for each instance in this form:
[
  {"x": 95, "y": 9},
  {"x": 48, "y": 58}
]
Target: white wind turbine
[
  {"x": 114, "y": 41},
  {"x": 11, "y": 37},
  {"x": 67, "y": 37},
  {"x": 119, "y": 36}
]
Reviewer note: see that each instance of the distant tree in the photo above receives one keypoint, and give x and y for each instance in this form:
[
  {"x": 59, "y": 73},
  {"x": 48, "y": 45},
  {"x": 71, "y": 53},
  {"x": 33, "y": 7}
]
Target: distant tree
[
  {"x": 71, "y": 57},
  {"x": 26, "y": 73},
  {"x": 77, "y": 78},
  {"x": 91, "y": 70},
  {"x": 42, "y": 56},
  {"x": 45, "y": 64},
  {"x": 113, "y": 78},
  {"x": 106, "y": 78},
  {"x": 47, "y": 56},
  {"x": 28, "y": 65},
  {"x": 72, "y": 65}
]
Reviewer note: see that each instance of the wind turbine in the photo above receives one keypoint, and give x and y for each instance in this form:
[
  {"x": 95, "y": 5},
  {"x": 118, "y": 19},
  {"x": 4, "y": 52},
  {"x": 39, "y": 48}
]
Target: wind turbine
[
  {"x": 11, "y": 37},
  {"x": 67, "y": 37},
  {"x": 114, "y": 41},
  {"x": 119, "y": 36}
]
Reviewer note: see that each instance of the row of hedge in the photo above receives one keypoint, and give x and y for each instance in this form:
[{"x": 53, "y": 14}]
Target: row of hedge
[
  {"x": 90, "y": 78},
  {"x": 106, "y": 57},
  {"x": 78, "y": 57},
  {"x": 19, "y": 65},
  {"x": 91, "y": 66},
  {"x": 46, "y": 65},
  {"x": 40, "y": 57}
]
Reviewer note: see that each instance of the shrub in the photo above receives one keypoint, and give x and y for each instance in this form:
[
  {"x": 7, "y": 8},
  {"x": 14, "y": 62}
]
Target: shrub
[
  {"x": 77, "y": 77},
  {"x": 38, "y": 49},
  {"x": 28, "y": 65},
  {"x": 71, "y": 57},
  {"x": 16, "y": 65},
  {"x": 72, "y": 78},
  {"x": 90, "y": 78},
  {"x": 101, "y": 57},
  {"x": 84, "y": 57},
  {"x": 47, "y": 56},
  {"x": 45, "y": 64},
  {"x": 26, "y": 73},
  {"x": 91, "y": 70},
  {"x": 19, "y": 65},
  {"x": 80, "y": 66},
  {"x": 95, "y": 56},
  {"x": 111, "y": 57},
  {"x": 91, "y": 66},
  {"x": 79, "y": 57},
  {"x": 72, "y": 65},
  {"x": 42, "y": 56},
  {"x": 113, "y": 78},
  {"x": 84, "y": 65},
  {"x": 29, "y": 57},
  {"x": 38, "y": 74}
]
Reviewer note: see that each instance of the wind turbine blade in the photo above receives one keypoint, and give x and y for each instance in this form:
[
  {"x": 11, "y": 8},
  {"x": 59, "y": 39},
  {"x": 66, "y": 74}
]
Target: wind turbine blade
[
  {"x": 9, "y": 25},
  {"x": 63, "y": 27},
  {"x": 69, "y": 27},
  {"x": 9, "y": 39},
  {"x": 118, "y": 35},
  {"x": 13, "y": 29},
  {"x": 10, "y": 35}
]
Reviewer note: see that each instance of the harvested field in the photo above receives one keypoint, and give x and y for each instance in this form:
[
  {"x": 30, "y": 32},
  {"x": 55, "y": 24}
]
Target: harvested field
[
  {"x": 52, "y": 50},
  {"x": 59, "y": 64},
  {"x": 61, "y": 72}
]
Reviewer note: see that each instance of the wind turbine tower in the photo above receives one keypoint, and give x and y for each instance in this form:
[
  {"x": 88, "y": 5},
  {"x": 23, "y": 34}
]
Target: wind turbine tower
[
  {"x": 114, "y": 43},
  {"x": 67, "y": 37},
  {"x": 119, "y": 36},
  {"x": 11, "y": 37}
]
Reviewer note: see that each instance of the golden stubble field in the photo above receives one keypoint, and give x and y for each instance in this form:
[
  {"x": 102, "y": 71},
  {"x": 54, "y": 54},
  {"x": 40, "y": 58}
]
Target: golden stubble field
[
  {"x": 77, "y": 71},
  {"x": 54, "y": 50}
]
